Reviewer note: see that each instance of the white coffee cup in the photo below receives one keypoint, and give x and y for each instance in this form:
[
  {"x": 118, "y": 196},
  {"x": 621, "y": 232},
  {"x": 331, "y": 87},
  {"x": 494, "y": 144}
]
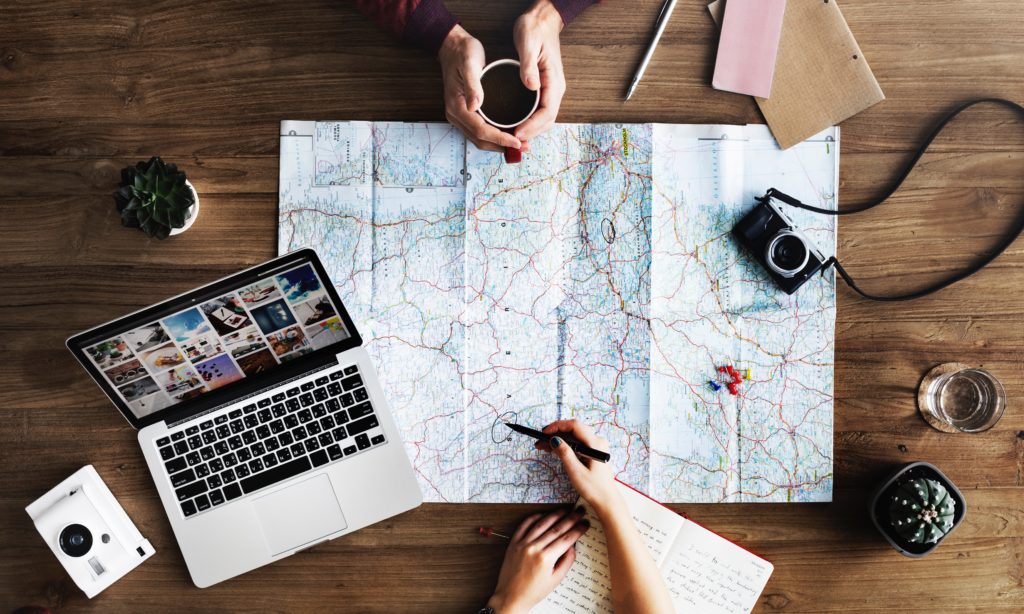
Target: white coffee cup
[{"x": 512, "y": 155}]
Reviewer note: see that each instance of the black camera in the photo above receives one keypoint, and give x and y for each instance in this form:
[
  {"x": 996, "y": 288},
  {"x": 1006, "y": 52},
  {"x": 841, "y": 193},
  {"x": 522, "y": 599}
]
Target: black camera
[{"x": 785, "y": 252}]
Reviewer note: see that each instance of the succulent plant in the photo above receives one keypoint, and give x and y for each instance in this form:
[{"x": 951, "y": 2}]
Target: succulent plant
[
  {"x": 154, "y": 197},
  {"x": 921, "y": 511}
]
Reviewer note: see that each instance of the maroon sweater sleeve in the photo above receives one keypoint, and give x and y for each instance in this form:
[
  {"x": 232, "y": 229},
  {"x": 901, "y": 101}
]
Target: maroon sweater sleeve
[
  {"x": 424, "y": 23},
  {"x": 570, "y": 9}
]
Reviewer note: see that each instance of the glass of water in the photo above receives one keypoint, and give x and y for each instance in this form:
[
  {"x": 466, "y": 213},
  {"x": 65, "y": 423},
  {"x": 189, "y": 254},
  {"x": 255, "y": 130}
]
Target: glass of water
[{"x": 955, "y": 398}]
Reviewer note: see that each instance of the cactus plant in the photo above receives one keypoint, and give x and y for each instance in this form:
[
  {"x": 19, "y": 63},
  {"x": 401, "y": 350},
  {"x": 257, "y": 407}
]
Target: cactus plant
[
  {"x": 154, "y": 197},
  {"x": 921, "y": 511}
]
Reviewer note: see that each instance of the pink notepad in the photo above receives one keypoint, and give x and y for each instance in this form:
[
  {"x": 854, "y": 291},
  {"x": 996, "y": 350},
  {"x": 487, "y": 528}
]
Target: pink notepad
[{"x": 748, "y": 46}]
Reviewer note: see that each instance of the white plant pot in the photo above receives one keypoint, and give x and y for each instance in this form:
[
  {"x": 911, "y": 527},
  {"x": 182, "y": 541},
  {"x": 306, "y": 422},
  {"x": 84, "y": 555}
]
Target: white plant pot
[{"x": 193, "y": 212}]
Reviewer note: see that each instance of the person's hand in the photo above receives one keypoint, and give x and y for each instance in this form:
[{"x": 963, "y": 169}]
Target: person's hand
[
  {"x": 462, "y": 60},
  {"x": 538, "y": 557},
  {"x": 594, "y": 480},
  {"x": 540, "y": 57}
]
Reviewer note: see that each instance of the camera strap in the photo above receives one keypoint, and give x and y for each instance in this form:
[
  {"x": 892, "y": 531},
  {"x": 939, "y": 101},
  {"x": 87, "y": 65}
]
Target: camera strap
[{"x": 1018, "y": 229}]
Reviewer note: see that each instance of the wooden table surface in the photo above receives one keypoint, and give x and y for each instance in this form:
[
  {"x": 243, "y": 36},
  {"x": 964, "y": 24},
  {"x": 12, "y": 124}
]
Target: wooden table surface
[{"x": 89, "y": 87}]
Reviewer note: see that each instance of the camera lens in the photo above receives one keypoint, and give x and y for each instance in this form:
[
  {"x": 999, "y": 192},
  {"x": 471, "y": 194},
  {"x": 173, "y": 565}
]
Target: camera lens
[
  {"x": 75, "y": 540},
  {"x": 787, "y": 253}
]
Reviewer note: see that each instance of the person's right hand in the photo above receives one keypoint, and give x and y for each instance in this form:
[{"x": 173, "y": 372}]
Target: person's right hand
[
  {"x": 592, "y": 479},
  {"x": 462, "y": 60}
]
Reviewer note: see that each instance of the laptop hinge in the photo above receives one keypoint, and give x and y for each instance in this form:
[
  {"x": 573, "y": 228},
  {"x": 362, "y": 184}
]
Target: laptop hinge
[{"x": 255, "y": 393}]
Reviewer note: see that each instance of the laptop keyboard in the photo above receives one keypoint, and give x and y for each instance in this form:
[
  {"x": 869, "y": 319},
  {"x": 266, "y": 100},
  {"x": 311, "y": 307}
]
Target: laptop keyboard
[{"x": 263, "y": 443}]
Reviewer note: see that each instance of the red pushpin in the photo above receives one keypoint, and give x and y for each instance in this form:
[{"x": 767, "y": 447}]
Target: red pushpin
[
  {"x": 489, "y": 532},
  {"x": 734, "y": 389}
]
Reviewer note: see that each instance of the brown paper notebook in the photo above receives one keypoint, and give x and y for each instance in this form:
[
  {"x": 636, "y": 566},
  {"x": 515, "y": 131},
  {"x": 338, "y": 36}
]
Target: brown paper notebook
[{"x": 821, "y": 76}]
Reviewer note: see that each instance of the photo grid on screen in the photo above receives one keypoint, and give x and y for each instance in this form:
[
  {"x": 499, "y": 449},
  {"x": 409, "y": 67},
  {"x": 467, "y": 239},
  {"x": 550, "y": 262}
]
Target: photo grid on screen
[{"x": 244, "y": 332}]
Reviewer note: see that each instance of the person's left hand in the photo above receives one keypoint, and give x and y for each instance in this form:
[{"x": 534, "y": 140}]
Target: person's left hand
[
  {"x": 540, "y": 56},
  {"x": 538, "y": 557}
]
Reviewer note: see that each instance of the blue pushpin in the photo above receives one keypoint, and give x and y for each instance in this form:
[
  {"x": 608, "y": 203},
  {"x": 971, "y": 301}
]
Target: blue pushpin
[{"x": 714, "y": 386}]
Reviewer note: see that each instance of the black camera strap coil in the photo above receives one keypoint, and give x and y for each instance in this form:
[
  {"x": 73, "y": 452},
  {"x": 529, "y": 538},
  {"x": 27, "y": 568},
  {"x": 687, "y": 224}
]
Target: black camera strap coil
[{"x": 1018, "y": 229}]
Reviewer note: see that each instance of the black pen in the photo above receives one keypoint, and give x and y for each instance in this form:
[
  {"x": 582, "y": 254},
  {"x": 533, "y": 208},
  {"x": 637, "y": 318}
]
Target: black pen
[{"x": 577, "y": 447}]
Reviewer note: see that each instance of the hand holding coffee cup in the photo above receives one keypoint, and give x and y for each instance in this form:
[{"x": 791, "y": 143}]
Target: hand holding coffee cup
[
  {"x": 507, "y": 101},
  {"x": 462, "y": 61},
  {"x": 536, "y": 36}
]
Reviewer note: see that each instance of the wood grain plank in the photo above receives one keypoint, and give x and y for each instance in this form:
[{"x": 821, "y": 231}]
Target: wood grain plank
[
  {"x": 677, "y": 92},
  {"x": 163, "y": 23},
  {"x": 152, "y": 86},
  {"x": 933, "y": 584}
]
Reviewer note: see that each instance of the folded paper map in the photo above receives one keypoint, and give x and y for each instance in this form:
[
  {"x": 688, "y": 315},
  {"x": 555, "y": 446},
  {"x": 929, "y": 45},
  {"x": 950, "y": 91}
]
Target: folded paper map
[{"x": 597, "y": 279}]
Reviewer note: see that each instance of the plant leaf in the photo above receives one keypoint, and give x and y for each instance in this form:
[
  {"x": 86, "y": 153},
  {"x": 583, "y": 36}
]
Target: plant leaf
[
  {"x": 177, "y": 218},
  {"x": 160, "y": 214}
]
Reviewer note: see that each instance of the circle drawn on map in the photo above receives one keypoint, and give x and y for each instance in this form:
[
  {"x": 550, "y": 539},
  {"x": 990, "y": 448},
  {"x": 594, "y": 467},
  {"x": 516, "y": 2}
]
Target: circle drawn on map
[
  {"x": 499, "y": 432},
  {"x": 608, "y": 231}
]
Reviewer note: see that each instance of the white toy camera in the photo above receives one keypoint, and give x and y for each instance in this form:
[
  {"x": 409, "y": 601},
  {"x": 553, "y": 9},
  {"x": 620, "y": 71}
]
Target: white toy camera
[{"x": 89, "y": 532}]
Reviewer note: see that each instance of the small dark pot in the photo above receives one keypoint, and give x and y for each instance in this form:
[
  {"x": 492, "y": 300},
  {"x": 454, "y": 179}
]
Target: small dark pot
[{"x": 879, "y": 510}]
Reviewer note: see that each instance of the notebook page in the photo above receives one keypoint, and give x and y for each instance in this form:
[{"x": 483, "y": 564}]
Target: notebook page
[
  {"x": 709, "y": 574},
  {"x": 587, "y": 588}
]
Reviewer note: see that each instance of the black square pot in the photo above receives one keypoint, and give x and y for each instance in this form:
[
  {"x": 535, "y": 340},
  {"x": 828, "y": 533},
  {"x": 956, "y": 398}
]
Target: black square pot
[{"x": 878, "y": 507}]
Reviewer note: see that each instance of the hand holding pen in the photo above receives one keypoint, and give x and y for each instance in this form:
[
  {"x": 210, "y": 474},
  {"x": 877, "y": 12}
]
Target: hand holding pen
[
  {"x": 577, "y": 446},
  {"x": 594, "y": 481}
]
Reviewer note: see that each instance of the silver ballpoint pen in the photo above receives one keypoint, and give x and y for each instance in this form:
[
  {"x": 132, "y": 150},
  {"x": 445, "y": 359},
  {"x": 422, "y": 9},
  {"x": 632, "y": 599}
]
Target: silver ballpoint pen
[{"x": 663, "y": 17}]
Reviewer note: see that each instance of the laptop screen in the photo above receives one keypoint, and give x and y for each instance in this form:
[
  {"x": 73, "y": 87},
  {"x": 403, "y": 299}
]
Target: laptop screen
[{"x": 217, "y": 337}]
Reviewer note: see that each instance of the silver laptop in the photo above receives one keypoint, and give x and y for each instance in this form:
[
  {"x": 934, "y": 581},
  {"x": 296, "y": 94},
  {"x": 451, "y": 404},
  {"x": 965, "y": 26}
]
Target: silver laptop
[{"x": 259, "y": 414}]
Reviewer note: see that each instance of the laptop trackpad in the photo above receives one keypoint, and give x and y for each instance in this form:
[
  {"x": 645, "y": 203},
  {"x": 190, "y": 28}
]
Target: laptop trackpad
[{"x": 300, "y": 514}]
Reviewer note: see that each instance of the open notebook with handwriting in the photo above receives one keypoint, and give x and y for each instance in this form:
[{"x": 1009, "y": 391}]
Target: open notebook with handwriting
[{"x": 705, "y": 573}]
